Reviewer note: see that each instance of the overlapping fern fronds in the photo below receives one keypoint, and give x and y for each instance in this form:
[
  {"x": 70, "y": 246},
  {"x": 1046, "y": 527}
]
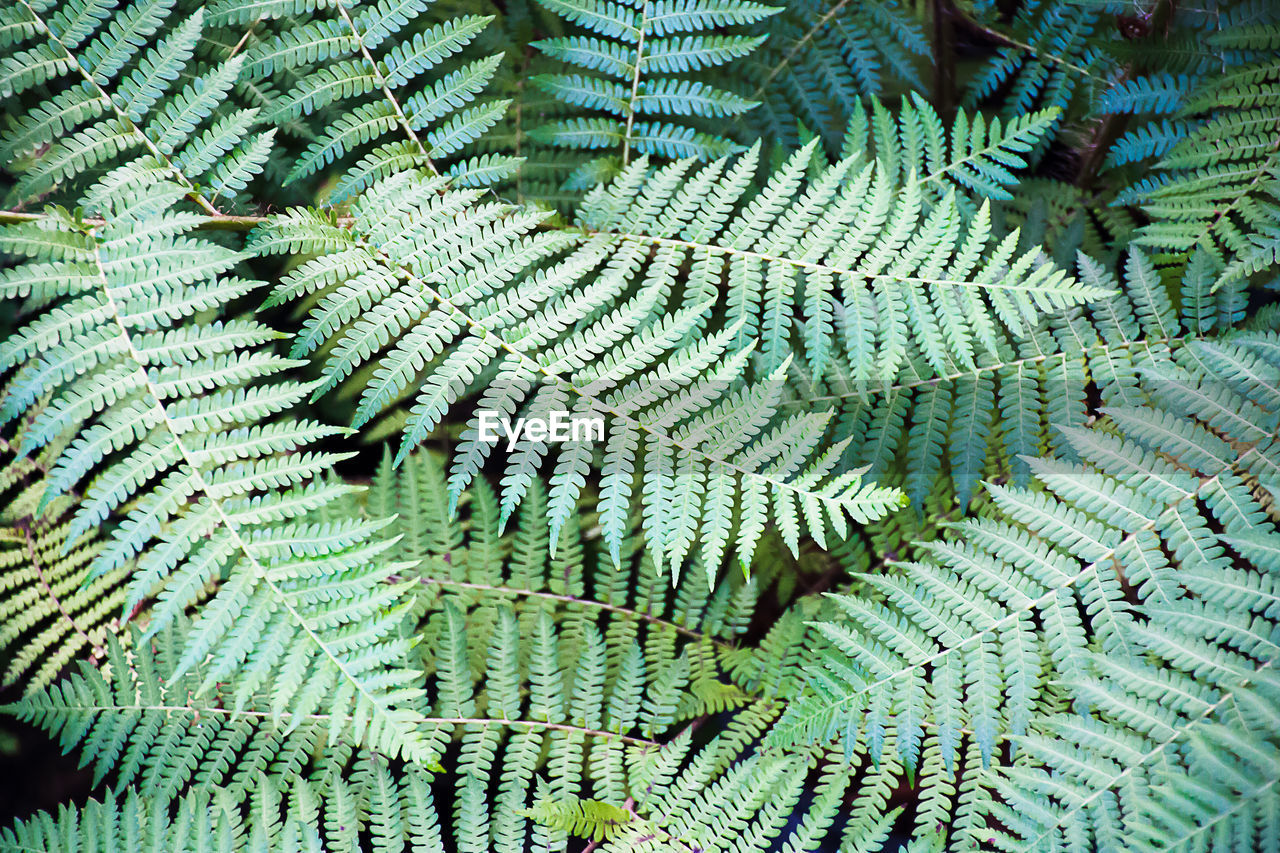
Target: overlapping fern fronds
[
  {"x": 366, "y": 79},
  {"x": 637, "y": 70},
  {"x": 1117, "y": 562},
  {"x": 482, "y": 301},
  {"x": 1217, "y": 182},
  {"x": 977, "y": 157},
  {"x": 478, "y": 297},
  {"x": 1050, "y": 55},
  {"x": 717, "y": 794},
  {"x": 51, "y": 610},
  {"x": 1179, "y": 756},
  {"x": 688, "y": 798},
  {"x": 534, "y": 681},
  {"x": 257, "y": 637},
  {"x": 171, "y": 422},
  {"x": 124, "y": 91},
  {"x": 956, "y": 426},
  {"x": 821, "y": 59}
]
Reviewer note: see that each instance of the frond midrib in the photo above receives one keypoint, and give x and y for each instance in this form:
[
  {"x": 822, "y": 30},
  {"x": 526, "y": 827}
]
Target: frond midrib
[
  {"x": 583, "y": 602},
  {"x": 1088, "y": 354},
  {"x": 192, "y": 193},
  {"x": 1011, "y": 618},
  {"x": 260, "y": 572},
  {"x": 1132, "y": 767},
  {"x": 287, "y": 717}
]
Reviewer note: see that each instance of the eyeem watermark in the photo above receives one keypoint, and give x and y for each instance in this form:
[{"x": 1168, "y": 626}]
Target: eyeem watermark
[{"x": 560, "y": 427}]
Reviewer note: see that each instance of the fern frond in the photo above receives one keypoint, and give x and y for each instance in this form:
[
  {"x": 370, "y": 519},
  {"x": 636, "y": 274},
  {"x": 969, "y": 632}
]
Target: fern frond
[
  {"x": 721, "y": 797},
  {"x": 1217, "y": 185},
  {"x": 1052, "y": 55},
  {"x": 1197, "y": 755},
  {"x": 366, "y": 87},
  {"x": 52, "y": 611},
  {"x": 533, "y": 680},
  {"x": 912, "y": 147},
  {"x": 992, "y": 606},
  {"x": 821, "y": 58},
  {"x": 116, "y": 101},
  {"x": 112, "y": 823},
  {"x": 169, "y": 423},
  {"x": 458, "y": 289},
  {"x": 642, "y": 65},
  {"x": 925, "y": 428}
]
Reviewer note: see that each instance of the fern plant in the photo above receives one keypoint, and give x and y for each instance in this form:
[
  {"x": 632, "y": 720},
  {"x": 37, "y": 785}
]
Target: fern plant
[
  {"x": 820, "y": 59},
  {"x": 170, "y": 424},
  {"x": 1012, "y": 407},
  {"x": 342, "y": 82},
  {"x": 53, "y": 611},
  {"x": 643, "y": 66},
  {"x": 114, "y": 101},
  {"x": 667, "y": 425},
  {"x": 1217, "y": 185}
]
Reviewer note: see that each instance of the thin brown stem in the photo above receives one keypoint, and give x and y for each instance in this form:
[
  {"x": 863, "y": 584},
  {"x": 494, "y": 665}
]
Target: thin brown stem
[
  {"x": 244, "y": 39},
  {"x": 33, "y": 558},
  {"x": 569, "y": 599}
]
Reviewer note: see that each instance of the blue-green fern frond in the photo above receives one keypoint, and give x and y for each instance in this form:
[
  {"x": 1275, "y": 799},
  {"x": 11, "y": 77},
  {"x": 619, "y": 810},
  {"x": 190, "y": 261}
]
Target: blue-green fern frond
[
  {"x": 665, "y": 647},
  {"x": 547, "y": 175},
  {"x": 683, "y": 797},
  {"x": 126, "y": 92},
  {"x": 1178, "y": 756},
  {"x": 1117, "y": 552},
  {"x": 673, "y": 797},
  {"x": 926, "y": 428},
  {"x": 367, "y": 81},
  {"x": 532, "y": 676},
  {"x": 641, "y": 87},
  {"x": 821, "y": 58},
  {"x": 564, "y": 320},
  {"x": 1216, "y": 183},
  {"x": 168, "y": 423},
  {"x": 975, "y": 156},
  {"x": 1050, "y": 54}
]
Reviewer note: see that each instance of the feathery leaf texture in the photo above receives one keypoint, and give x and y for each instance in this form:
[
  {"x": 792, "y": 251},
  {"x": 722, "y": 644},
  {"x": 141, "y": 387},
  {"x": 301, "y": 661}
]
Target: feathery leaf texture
[
  {"x": 171, "y": 422},
  {"x": 481, "y": 297},
  {"x": 1117, "y": 559},
  {"x": 52, "y": 612},
  {"x": 1051, "y": 55},
  {"x": 792, "y": 265},
  {"x": 928, "y": 427},
  {"x": 676, "y": 797},
  {"x": 130, "y": 93},
  {"x": 1217, "y": 183},
  {"x": 719, "y": 796},
  {"x": 1178, "y": 757},
  {"x": 365, "y": 81},
  {"x": 641, "y": 93},
  {"x": 534, "y": 678},
  {"x": 821, "y": 58},
  {"x": 912, "y": 147}
]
